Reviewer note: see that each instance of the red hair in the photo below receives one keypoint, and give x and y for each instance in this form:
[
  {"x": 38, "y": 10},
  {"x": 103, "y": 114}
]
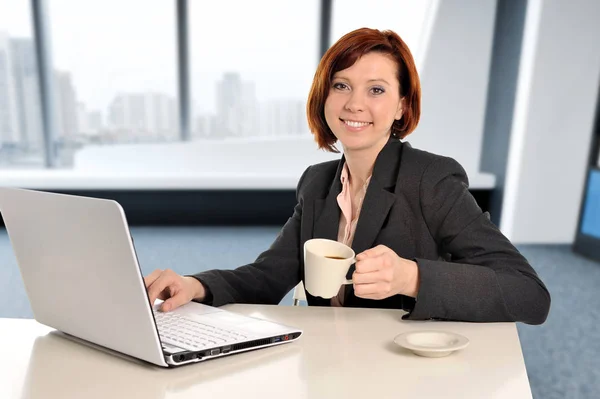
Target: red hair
[{"x": 343, "y": 54}]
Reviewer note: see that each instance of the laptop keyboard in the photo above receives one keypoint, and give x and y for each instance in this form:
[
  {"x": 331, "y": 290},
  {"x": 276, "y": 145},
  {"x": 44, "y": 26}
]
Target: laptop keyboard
[{"x": 191, "y": 335}]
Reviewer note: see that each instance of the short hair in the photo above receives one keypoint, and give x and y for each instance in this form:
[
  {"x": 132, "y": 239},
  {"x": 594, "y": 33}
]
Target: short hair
[{"x": 343, "y": 54}]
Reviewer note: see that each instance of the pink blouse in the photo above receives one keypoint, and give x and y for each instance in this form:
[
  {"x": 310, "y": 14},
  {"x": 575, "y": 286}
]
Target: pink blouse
[{"x": 348, "y": 221}]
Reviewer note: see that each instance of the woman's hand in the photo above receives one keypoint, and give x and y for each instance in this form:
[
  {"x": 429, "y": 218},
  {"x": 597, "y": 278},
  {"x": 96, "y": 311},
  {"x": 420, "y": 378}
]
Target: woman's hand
[
  {"x": 380, "y": 274},
  {"x": 174, "y": 289}
]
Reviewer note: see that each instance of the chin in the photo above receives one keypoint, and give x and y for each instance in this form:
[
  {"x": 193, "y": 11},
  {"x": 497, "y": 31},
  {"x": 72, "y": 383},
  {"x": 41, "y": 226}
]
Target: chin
[{"x": 357, "y": 145}]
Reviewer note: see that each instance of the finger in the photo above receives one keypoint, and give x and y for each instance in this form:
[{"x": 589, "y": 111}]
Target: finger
[
  {"x": 369, "y": 291},
  {"x": 156, "y": 289},
  {"x": 369, "y": 265},
  {"x": 165, "y": 294},
  {"x": 375, "y": 297},
  {"x": 372, "y": 252},
  {"x": 366, "y": 278},
  {"x": 175, "y": 301},
  {"x": 149, "y": 279}
]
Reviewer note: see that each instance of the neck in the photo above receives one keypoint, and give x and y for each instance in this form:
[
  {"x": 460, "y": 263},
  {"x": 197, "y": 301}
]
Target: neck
[
  {"x": 360, "y": 168},
  {"x": 361, "y": 163}
]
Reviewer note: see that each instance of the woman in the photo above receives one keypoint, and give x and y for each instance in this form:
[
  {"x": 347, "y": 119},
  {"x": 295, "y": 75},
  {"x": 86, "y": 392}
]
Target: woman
[{"x": 423, "y": 244}]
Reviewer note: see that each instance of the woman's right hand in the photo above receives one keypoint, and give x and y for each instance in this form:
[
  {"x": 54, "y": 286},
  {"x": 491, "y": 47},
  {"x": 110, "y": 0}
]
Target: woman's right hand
[{"x": 174, "y": 289}]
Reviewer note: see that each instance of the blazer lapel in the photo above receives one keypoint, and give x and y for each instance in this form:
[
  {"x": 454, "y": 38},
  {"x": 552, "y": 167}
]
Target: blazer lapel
[
  {"x": 376, "y": 206},
  {"x": 378, "y": 200},
  {"x": 327, "y": 211}
]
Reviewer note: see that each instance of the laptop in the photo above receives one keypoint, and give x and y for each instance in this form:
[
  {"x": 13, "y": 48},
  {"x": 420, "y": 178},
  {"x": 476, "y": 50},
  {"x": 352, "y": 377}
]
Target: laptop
[{"x": 82, "y": 277}]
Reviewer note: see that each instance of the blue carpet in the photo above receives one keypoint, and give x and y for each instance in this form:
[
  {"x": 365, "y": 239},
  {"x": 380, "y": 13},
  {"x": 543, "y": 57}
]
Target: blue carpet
[{"x": 562, "y": 355}]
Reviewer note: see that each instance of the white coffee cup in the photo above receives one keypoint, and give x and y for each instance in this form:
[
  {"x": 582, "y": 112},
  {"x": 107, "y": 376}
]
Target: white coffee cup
[{"x": 326, "y": 263}]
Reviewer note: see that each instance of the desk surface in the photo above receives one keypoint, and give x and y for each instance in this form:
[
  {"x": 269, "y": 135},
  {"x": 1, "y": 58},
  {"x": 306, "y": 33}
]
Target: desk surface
[{"x": 346, "y": 353}]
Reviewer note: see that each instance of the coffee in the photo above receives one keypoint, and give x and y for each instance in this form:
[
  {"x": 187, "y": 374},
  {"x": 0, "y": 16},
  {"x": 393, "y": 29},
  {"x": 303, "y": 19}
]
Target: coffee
[{"x": 334, "y": 257}]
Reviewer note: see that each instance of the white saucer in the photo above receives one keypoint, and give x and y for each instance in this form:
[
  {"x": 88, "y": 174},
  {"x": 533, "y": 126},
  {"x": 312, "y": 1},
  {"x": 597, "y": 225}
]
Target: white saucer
[{"x": 431, "y": 343}]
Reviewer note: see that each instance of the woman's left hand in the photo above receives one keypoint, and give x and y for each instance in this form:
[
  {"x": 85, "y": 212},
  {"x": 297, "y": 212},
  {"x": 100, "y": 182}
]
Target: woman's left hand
[{"x": 380, "y": 274}]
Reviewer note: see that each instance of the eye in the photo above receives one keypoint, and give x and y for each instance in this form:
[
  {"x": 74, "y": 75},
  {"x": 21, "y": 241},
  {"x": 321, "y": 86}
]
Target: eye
[
  {"x": 340, "y": 86},
  {"x": 377, "y": 90}
]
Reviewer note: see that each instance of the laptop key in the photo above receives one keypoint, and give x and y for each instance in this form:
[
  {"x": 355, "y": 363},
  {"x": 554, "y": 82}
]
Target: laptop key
[{"x": 191, "y": 334}]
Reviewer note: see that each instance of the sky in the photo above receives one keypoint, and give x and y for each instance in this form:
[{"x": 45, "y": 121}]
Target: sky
[{"x": 113, "y": 46}]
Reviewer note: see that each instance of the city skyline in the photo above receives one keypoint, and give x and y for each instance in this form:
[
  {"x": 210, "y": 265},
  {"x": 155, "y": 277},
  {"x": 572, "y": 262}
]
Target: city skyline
[
  {"x": 118, "y": 85},
  {"x": 130, "y": 116}
]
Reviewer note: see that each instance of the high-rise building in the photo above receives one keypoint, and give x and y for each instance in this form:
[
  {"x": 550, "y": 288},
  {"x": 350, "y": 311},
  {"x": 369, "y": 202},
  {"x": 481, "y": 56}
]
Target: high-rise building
[
  {"x": 82, "y": 119},
  {"x": 95, "y": 122},
  {"x": 20, "y": 107},
  {"x": 27, "y": 93},
  {"x": 9, "y": 111},
  {"x": 89, "y": 122},
  {"x": 161, "y": 114},
  {"x": 204, "y": 126},
  {"x": 143, "y": 115},
  {"x": 283, "y": 117},
  {"x": 237, "y": 108},
  {"x": 66, "y": 106}
]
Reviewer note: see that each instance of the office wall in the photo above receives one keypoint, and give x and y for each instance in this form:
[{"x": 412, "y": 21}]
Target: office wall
[
  {"x": 554, "y": 113},
  {"x": 455, "y": 80}
]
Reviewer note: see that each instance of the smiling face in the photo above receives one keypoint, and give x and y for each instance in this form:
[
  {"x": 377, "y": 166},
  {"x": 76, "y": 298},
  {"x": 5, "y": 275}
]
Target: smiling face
[{"x": 363, "y": 102}]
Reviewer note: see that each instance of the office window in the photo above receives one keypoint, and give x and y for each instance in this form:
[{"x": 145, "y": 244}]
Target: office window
[
  {"x": 590, "y": 222},
  {"x": 252, "y": 65},
  {"x": 21, "y": 135},
  {"x": 114, "y": 70},
  {"x": 409, "y": 18}
]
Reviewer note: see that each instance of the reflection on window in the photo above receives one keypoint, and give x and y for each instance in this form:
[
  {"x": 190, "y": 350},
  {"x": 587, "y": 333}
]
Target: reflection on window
[
  {"x": 114, "y": 73},
  {"x": 21, "y": 135},
  {"x": 408, "y": 18},
  {"x": 251, "y": 75}
]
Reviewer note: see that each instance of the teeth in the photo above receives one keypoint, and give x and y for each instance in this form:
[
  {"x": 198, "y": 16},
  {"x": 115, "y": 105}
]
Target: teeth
[{"x": 356, "y": 124}]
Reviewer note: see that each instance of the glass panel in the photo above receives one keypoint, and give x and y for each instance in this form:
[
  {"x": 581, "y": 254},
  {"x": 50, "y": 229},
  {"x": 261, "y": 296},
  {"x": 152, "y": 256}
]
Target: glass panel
[
  {"x": 251, "y": 71},
  {"x": 21, "y": 135},
  {"x": 115, "y": 73}
]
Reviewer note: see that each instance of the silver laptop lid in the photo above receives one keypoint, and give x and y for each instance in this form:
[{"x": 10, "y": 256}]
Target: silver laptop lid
[{"x": 80, "y": 271}]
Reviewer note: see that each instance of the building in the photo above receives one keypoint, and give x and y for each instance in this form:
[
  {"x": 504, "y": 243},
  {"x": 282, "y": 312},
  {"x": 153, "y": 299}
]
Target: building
[
  {"x": 237, "y": 107},
  {"x": 66, "y": 107},
  {"x": 9, "y": 110},
  {"x": 28, "y": 94},
  {"x": 283, "y": 117},
  {"x": 141, "y": 116}
]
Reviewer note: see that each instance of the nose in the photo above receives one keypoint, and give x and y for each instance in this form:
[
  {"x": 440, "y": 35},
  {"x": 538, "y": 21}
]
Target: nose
[{"x": 355, "y": 102}]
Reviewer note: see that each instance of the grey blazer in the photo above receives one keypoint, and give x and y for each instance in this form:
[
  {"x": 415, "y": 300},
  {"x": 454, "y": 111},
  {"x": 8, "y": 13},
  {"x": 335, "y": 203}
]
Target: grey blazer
[{"x": 417, "y": 204}]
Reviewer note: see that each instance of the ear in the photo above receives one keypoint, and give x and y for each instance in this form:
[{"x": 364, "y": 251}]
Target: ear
[{"x": 400, "y": 110}]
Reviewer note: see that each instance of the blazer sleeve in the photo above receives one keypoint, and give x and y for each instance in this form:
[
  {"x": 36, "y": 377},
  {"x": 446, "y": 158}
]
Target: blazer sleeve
[
  {"x": 486, "y": 279},
  {"x": 270, "y": 277}
]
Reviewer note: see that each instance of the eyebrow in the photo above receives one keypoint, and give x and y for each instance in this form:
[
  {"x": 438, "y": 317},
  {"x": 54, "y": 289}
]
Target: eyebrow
[{"x": 368, "y": 81}]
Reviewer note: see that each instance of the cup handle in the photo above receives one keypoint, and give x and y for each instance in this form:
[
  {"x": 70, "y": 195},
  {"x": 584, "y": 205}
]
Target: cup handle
[{"x": 350, "y": 281}]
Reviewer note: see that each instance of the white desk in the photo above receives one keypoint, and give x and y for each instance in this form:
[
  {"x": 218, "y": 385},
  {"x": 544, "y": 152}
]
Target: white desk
[{"x": 345, "y": 353}]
